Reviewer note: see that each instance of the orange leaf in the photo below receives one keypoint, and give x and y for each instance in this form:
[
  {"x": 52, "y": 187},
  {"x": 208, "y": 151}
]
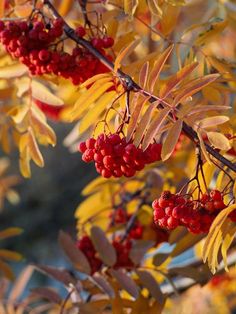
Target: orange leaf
[
  {"x": 171, "y": 140},
  {"x": 158, "y": 66},
  {"x": 125, "y": 53},
  {"x": 154, "y": 127},
  {"x": 194, "y": 86},
  {"x": 135, "y": 117},
  {"x": 144, "y": 122},
  {"x": 143, "y": 75},
  {"x": 174, "y": 80}
]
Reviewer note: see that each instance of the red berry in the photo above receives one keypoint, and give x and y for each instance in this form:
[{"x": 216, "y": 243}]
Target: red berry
[
  {"x": 108, "y": 42},
  {"x": 82, "y": 147},
  {"x": 97, "y": 42},
  {"x": 44, "y": 55},
  {"x": 172, "y": 223},
  {"x": 158, "y": 214},
  {"x": 80, "y": 31},
  {"x": 219, "y": 204},
  {"x": 209, "y": 206},
  {"x": 90, "y": 143},
  {"x": 216, "y": 195}
]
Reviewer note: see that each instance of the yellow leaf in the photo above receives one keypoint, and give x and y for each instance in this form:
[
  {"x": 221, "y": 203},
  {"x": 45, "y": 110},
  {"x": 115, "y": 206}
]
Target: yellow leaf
[
  {"x": 94, "y": 113},
  {"x": 169, "y": 19},
  {"x": 42, "y": 130},
  {"x": 10, "y": 255},
  {"x": 215, "y": 233},
  {"x": 130, "y": 6},
  {"x": 212, "y": 121},
  {"x": 2, "y": 7},
  {"x": 65, "y": 6},
  {"x": 42, "y": 93},
  {"x": 154, "y": 7},
  {"x": 125, "y": 53},
  {"x": 25, "y": 163},
  {"x": 203, "y": 148},
  {"x": 10, "y": 232},
  {"x": 96, "y": 78},
  {"x": 94, "y": 185},
  {"x": 171, "y": 140},
  {"x": 34, "y": 150},
  {"x": 218, "y": 140},
  {"x": 88, "y": 97},
  {"x": 214, "y": 29},
  {"x": 14, "y": 70},
  {"x": 21, "y": 114},
  {"x": 6, "y": 270},
  {"x": 23, "y": 10},
  {"x": 228, "y": 239}
]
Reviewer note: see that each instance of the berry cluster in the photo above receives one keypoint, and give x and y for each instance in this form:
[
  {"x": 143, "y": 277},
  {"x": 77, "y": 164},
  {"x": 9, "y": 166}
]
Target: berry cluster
[
  {"x": 114, "y": 156},
  {"x": 122, "y": 252},
  {"x": 86, "y": 246},
  {"x": 173, "y": 210},
  {"x": 138, "y": 230},
  {"x": 37, "y": 44}
]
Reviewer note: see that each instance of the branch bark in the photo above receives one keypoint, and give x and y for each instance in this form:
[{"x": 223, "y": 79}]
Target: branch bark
[{"x": 131, "y": 85}]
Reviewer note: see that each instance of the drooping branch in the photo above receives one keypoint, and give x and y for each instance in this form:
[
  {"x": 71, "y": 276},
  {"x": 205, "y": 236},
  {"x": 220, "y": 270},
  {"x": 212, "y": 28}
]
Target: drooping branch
[{"x": 131, "y": 85}]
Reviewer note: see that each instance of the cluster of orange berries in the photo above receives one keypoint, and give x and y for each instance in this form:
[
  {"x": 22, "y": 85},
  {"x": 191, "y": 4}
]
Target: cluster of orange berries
[
  {"x": 114, "y": 156},
  {"x": 173, "y": 210}
]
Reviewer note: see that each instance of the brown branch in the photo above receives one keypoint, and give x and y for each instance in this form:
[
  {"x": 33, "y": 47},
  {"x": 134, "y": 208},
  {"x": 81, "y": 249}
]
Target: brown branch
[{"x": 130, "y": 85}]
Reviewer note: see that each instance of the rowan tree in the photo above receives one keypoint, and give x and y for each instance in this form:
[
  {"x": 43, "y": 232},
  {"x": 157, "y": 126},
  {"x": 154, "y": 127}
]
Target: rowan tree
[{"x": 148, "y": 88}]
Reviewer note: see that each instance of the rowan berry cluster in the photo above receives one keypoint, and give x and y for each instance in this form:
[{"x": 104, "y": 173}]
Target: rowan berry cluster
[
  {"x": 122, "y": 249},
  {"x": 173, "y": 210},
  {"x": 114, "y": 156},
  {"x": 138, "y": 231},
  {"x": 38, "y": 45}
]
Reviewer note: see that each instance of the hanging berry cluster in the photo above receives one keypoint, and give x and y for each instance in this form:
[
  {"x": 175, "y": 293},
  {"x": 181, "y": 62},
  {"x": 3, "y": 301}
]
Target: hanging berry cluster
[
  {"x": 173, "y": 210},
  {"x": 122, "y": 249},
  {"x": 114, "y": 156},
  {"x": 39, "y": 45}
]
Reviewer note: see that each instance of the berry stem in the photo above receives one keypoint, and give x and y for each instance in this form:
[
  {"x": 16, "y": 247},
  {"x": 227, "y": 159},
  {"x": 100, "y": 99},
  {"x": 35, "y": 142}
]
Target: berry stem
[{"x": 130, "y": 85}]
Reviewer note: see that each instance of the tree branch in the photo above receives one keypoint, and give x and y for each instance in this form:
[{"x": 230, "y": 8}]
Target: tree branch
[{"x": 133, "y": 86}]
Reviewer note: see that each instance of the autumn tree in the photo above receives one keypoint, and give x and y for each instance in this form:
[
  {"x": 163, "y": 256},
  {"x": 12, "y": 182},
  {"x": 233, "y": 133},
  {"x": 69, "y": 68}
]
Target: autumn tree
[{"x": 148, "y": 88}]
